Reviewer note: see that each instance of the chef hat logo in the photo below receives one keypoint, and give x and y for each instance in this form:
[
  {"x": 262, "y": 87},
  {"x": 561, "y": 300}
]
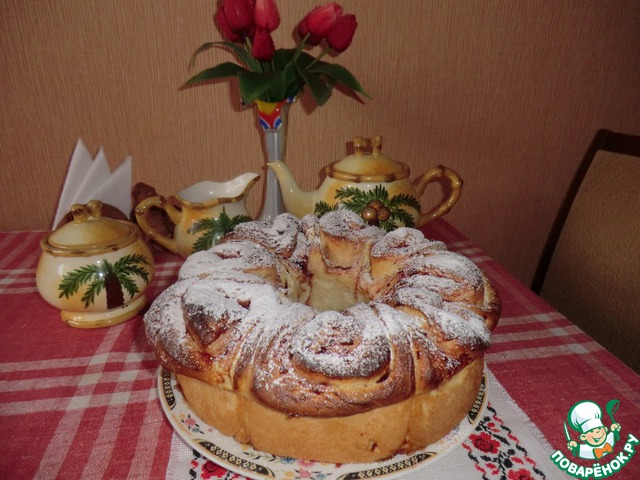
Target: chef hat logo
[{"x": 585, "y": 416}]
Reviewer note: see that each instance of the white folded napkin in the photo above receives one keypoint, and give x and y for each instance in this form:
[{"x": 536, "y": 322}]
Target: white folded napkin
[{"x": 91, "y": 179}]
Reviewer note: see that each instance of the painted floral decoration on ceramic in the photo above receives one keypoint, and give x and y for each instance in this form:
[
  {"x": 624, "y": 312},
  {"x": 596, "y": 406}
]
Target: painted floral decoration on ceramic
[{"x": 271, "y": 75}]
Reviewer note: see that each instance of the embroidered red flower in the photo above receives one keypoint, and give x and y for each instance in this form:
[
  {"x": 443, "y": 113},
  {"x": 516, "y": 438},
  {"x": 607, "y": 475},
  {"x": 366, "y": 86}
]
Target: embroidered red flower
[
  {"x": 212, "y": 470},
  {"x": 522, "y": 474},
  {"x": 484, "y": 443},
  {"x": 493, "y": 467}
]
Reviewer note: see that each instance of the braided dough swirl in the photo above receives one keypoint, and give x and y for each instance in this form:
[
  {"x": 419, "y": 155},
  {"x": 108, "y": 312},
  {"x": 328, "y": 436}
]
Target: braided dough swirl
[{"x": 324, "y": 317}]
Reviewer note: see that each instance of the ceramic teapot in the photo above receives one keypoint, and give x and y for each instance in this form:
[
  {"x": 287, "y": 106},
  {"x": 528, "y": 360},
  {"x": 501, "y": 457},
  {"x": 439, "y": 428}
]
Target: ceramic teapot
[
  {"x": 95, "y": 269},
  {"x": 206, "y": 211},
  {"x": 373, "y": 185}
]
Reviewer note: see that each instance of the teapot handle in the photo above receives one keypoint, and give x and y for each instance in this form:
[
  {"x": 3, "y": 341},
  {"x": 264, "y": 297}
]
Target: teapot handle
[
  {"x": 455, "y": 182},
  {"x": 141, "y": 212}
]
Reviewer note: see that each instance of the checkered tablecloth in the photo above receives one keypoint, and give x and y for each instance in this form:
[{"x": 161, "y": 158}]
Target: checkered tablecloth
[{"x": 83, "y": 404}]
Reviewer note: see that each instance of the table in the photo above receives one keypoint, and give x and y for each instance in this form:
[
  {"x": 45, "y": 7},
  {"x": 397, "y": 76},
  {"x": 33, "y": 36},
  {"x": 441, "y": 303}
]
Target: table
[{"x": 84, "y": 404}]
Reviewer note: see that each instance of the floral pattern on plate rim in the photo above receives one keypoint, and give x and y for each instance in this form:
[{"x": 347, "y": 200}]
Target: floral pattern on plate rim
[{"x": 244, "y": 460}]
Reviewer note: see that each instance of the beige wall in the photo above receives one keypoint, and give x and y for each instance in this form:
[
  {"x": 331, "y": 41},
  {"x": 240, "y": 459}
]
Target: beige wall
[{"x": 508, "y": 93}]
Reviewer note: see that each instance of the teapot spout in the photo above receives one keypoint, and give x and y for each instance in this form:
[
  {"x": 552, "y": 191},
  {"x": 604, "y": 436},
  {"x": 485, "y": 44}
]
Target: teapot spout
[{"x": 296, "y": 201}]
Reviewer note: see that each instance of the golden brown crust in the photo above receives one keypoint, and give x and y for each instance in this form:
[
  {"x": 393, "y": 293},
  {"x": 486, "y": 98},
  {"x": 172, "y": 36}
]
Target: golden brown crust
[{"x": 365, "y": 437}]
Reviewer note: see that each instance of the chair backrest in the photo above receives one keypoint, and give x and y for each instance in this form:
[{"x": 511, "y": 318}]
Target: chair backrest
[{"x": 591, "y": 272}]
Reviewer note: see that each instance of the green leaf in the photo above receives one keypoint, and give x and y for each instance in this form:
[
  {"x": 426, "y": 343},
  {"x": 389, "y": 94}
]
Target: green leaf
[
  {"x": 339, "y": 73},
  {"x": 323, "y": 207},
  {"x": 72, "y": 281},
  {"x": 402, "y": 216},
  {"x": 202, "y": 48},
  {"x": 92, "y": 292},
  {"x": 243, "y": 54},
  {"x": 107, "y": 267},
  {"x": 127, "y": 261},
  {"x": 318, "y": 88},
  {"x": 253, "y": 85},
  {"x": 130, "y": 265},
  {"x": 224, "y": 70},
  {"x": 277, "y": 88},
  {"x": 292, "y": 81},
  {"x": 240, "y": 51},
  {"x": 214, "y": 229},
  {"x": 378, "y": 193},
  {"x": 356, "y": 199},
  {"x": 404, "y": 199},
  {"x": 282, "y": 57},
  {"x": 388, "y": 225},
  {"x": 129, "y": 285},
  {"x": 305, "y": 59}
]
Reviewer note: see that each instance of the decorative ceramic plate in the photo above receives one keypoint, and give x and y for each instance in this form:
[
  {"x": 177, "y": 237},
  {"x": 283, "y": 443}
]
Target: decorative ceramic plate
[{"x": 244, "y": 460}]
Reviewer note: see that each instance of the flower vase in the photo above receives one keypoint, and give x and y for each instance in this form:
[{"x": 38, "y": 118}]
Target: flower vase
[{"x": 272, "y": 118}]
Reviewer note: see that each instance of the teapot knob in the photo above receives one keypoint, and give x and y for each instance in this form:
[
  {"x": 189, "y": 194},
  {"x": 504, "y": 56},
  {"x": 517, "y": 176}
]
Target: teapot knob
[
  {"x": 376, "y": 144},
  {"x": 365, "y": 145},
  {"x": 361, "y": 145}
]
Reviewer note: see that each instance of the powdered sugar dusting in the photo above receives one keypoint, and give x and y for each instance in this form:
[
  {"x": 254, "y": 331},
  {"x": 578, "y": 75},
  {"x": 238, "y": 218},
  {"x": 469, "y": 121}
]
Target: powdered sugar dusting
[
  {"x": 165, "y": 326},
  {"x": 349, "y": 225},
  {"x": 405, "y": 242},
  {"x": 447, "y": 264},
  {"x": 342, "y": 344},
  {"x": 443, "y": 286},
  {"x": 452, "y": 326},
  {"x": 279, "y": 237},
  {"x": 296, "y": 354},
  {"x": 199, "y": 264}
]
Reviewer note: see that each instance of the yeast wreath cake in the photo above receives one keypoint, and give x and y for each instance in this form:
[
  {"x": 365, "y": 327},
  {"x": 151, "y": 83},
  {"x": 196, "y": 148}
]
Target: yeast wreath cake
[{"x": 327, "y": 339}]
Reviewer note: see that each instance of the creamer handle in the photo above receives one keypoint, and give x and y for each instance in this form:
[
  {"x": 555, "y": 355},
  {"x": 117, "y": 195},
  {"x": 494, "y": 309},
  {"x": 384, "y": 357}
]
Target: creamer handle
[
  {"x": 141, "y": 211},
  {"x": 421, "y": 182}
]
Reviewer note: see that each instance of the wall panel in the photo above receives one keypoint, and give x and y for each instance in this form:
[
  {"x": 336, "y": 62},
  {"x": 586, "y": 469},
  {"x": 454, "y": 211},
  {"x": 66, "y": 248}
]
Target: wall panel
[{"x": 508, "y": 93}]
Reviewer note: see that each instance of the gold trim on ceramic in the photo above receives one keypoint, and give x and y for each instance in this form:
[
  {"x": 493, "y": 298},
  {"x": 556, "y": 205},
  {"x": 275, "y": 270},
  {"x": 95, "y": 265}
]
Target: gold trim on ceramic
[
  {"x": 94, "y": 269},
  {"x": 364, "y": 171},
  {"x": 202, "y": 200}
]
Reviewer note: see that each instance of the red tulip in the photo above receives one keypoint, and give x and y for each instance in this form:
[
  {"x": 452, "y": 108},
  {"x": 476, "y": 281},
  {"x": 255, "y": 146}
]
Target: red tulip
[
  {"x": 238, "y": 16},
  {"x": 341, "y": 33},
  {"x": 266, "y": 15},
  {"x": 263, "y": 47},
  {"x": 303, "y": 30},
  {"x": 224, "y": 27},
  {"x": 319, "y": 20}
]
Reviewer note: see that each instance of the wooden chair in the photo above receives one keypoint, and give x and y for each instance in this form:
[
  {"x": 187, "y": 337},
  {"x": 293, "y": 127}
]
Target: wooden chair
[{"x": 590, "y": 267}]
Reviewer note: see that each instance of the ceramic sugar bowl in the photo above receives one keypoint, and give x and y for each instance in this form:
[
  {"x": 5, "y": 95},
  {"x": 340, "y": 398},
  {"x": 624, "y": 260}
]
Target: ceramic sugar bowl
[{"x": 95, "y": 269}]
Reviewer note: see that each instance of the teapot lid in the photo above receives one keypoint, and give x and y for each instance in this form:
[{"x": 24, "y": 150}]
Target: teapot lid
[
  {"x": 367, "y": 164},
  {"x": 89, "y": 233}
]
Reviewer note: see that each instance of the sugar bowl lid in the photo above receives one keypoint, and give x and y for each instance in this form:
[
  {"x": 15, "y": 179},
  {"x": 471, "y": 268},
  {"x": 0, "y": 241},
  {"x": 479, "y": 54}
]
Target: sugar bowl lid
[
  {"x": 89, "y": 233},
  {"x": 367, "y": 164}
]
